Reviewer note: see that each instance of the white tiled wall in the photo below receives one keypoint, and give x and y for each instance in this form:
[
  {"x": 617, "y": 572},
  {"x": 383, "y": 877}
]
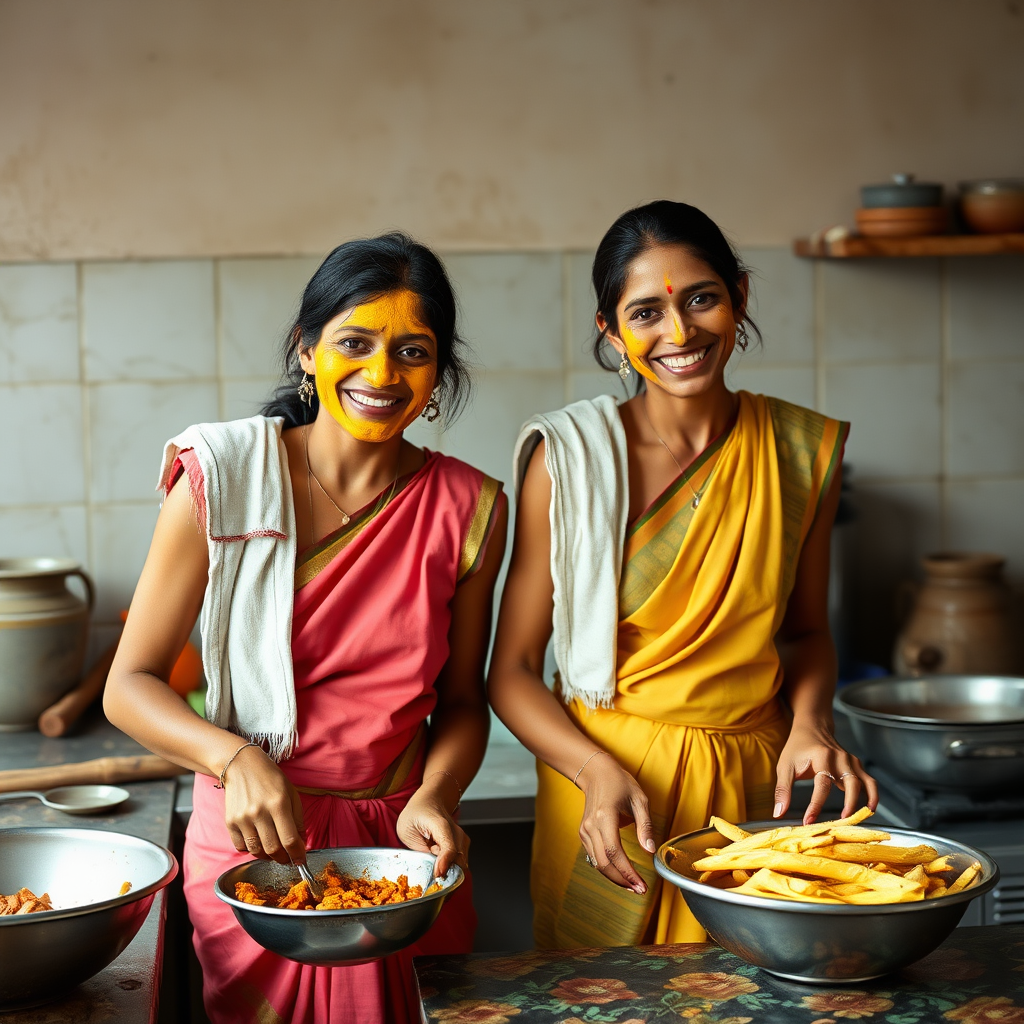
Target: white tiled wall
[{"x": 101, "y": 362}]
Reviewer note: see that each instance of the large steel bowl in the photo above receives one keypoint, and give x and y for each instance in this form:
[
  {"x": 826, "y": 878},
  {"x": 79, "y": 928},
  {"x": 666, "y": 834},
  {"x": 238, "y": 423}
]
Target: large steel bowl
[
  {"x": 821, "y": 943},
  {"x": 338, "y": 938},
  {"x": 44, "y": 955},
  {"x": 961, "y": 733}
]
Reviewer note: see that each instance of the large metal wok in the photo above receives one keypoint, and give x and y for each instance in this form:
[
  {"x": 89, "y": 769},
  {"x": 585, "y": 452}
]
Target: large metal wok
[{"x": 961, "y": 733}]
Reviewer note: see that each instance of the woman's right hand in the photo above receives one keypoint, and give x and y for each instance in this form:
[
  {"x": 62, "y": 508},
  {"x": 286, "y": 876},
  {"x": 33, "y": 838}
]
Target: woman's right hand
[
  {"x": 262, "y": 809},
  {"x": 613, "y": 800}
]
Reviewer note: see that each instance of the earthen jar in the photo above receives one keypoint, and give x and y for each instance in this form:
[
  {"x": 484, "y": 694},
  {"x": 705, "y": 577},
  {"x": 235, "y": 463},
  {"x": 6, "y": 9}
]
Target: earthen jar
[
  {"x": 960, "y": 623},
  {"x": 43, "y": 633}
]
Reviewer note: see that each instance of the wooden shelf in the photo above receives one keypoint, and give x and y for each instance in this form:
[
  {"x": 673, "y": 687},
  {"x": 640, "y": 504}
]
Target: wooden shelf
[{"x": 858, "y": 246}]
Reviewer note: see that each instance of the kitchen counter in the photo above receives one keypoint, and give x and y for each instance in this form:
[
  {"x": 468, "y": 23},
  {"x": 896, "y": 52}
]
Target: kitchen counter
[
  {"x": 127, "y": 990},
  {"x": 975, "y": 977}
]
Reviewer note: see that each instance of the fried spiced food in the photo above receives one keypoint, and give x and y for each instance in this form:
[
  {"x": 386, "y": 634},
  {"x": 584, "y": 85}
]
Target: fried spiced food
[
  {"x": 340, "y": 892},
  {"x": 831, "y": 862},
  {"x": 24, "y": 901}
]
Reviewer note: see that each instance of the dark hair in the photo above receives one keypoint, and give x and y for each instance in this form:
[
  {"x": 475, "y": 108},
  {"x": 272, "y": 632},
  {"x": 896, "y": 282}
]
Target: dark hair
[
  {"x": 659, "y": 223},
  {"x": 360, "y": 271}
]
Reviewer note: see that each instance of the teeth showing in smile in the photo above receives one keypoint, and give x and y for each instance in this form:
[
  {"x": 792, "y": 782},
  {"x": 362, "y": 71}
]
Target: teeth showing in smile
[
  {"x": 678, "y": 362},
  {"x": 372, "y": 403}
]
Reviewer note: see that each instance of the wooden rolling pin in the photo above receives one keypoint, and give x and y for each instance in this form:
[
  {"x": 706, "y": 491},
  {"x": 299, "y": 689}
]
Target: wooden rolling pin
[
  {"x": 103, "y": 770},
  {"x": 59, "y": 717}
]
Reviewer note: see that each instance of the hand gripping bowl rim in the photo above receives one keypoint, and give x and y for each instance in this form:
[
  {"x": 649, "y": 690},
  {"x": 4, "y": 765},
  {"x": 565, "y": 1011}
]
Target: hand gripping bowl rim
[
  {"x": 458, "y": 878},
  {"x": 989, "y": 868},
  {"x": 70, "y": 832}
]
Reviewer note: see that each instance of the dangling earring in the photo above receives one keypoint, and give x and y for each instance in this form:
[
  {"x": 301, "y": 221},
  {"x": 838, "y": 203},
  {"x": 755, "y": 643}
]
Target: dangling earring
[
  {"x": 624, "y": 367},
  {"x": 741, "y": 336},
  {"x": 306, "y": 390},
  {"x": 431, "y": 410}
]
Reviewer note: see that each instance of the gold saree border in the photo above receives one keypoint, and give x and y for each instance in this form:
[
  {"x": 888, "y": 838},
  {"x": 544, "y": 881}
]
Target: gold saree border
[
  {"x": 479, "y": 528},
  {"x": 691, "y": 473},
  {"x": 317, "y": 558}
]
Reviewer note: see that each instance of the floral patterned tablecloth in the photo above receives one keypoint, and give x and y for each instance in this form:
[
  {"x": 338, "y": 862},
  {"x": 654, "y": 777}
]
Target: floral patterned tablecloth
[{"x": 975, "y": 977}]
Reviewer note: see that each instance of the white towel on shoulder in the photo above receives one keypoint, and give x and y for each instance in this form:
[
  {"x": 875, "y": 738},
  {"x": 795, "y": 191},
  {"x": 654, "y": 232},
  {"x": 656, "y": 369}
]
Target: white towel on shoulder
[
  {"x": 585, "y": 456},
  {"x": 246, "y": 621}
]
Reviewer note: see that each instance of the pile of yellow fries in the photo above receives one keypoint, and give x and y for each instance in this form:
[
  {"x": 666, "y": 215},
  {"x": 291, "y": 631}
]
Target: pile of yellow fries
[{"x": 830, "y": 862}]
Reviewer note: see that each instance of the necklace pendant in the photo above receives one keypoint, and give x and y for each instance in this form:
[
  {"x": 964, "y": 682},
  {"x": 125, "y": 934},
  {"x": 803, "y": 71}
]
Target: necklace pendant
[
  {"x": 695, "y": 502},
  {"x": 345, "y": 519}
]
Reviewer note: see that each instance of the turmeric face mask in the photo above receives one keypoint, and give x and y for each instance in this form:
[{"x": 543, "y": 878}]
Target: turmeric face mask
[{"x": 376, "y": 366}]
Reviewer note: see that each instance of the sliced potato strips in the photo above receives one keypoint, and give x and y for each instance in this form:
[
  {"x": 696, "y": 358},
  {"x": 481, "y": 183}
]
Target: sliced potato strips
[{"x": 831, "y": 862}]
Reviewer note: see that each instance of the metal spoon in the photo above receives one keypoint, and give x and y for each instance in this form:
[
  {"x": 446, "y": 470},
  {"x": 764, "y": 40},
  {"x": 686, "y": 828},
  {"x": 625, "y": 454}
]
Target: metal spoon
[
  {"x": 307, "y": 876},
  {"x": 75, "y": 799}
]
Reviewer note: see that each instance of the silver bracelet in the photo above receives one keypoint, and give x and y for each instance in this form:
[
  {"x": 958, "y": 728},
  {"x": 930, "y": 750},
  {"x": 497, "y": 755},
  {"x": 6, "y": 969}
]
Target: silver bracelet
[
  {"x": 585, "y": 763},
  {"x": 443, "y": 771},
  {"x": 219, "y": 784}
]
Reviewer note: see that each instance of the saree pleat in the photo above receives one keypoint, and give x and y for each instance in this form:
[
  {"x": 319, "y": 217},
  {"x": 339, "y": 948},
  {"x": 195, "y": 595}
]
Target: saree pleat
[
  {"x": 371, "y": 616},
  {"x": 696, "y": 718}
]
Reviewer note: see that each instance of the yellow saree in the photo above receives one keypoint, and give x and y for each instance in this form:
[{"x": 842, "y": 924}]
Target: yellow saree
[{"x": 696, "y": 718}]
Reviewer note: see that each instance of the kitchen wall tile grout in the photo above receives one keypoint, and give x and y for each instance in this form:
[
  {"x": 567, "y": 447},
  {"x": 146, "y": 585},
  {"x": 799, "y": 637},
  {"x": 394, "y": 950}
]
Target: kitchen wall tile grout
[
  {"x": 86, "y": 398},
  {"x": 568, "y": 321},
  {"x": 945, "y": 343},
  {"x": 818, "y": 321},
  {"x": 218, "y": 336}
]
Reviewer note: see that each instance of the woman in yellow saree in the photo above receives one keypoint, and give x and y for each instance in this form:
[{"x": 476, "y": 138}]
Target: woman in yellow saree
[{"x": 677, "y": 548}]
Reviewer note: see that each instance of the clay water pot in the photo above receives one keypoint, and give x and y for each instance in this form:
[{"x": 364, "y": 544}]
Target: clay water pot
[
  {"x": 43, "y": 633},
  {"x": 961, "y": 620}
]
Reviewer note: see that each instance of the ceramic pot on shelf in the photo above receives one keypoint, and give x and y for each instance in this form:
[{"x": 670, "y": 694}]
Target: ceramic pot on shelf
[
  {"x": 961, "y": 620},
  {"x": 44, "y": 629}
]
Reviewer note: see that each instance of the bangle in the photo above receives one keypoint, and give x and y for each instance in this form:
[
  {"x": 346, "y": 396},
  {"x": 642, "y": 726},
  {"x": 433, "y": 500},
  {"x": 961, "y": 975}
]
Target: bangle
[
  {"x": 442, "y": 771},
  {"x": 585, "y": 763},
  {"x": 219, "y": 784}
]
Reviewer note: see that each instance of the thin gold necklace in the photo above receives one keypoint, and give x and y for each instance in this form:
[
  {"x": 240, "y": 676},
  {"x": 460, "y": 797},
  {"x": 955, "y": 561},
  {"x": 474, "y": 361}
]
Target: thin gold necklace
[
  {"x": 382, "y": 502},
  {"x": 696, "y": 496}
]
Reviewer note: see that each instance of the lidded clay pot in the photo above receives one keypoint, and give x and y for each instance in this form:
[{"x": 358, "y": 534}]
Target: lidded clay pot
[{"x": 961, "y": 620}]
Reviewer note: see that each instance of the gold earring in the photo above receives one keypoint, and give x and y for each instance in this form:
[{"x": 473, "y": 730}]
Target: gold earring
[
  {"x": 431, "y": 410},
  {"x": 306, "y": 390},
  {"x": 624, "y": 367}
]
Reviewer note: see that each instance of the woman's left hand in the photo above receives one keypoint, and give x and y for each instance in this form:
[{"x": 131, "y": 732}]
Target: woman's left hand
[
  {"x": 425, "y": 824},
  {"x": 812, "y": 752}
]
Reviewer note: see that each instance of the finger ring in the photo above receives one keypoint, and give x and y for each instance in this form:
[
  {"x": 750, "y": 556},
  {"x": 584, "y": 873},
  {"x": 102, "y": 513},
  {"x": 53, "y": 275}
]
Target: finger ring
[
  {"x": 829, "y": 774},
  {"x": 851, "y": 775},
  {"x": 588, "y": 860}
]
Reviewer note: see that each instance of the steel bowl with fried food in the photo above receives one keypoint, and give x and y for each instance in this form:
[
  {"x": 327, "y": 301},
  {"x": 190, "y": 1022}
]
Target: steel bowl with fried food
[
  {"x": 336, "y": 937},
  {"x": 44, "y": 953},
  {"x": 834, "y": 908}
]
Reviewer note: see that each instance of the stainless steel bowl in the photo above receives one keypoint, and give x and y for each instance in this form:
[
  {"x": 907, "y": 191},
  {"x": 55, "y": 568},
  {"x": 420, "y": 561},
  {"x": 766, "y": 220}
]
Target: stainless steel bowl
[
  {"x": 44, "y": 955},
  {"x": 943, "y": 732},
  {"x": 817, "y": 942},
  {"x": 337, "y": 938}
]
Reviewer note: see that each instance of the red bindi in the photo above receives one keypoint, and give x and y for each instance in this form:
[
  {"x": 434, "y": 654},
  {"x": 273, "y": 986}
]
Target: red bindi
[{"x": 668, "y": 284}]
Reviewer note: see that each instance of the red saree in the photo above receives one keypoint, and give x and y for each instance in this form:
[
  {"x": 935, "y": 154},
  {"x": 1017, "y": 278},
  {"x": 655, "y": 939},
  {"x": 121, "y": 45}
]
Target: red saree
[{"x": 369, "y": 637}]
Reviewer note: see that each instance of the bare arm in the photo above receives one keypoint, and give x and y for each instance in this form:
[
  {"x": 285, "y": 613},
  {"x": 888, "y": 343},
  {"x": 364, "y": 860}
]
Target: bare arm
[
  {"x": 461, "y": 721},
  {"x": 809, "y": 682},
  {"x": 262, "y": 811},
  {"x": 524, "y": 703}
]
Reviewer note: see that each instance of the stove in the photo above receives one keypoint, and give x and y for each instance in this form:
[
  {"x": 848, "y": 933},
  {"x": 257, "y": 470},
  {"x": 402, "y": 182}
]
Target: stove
[{"x": 992, "y": 822}]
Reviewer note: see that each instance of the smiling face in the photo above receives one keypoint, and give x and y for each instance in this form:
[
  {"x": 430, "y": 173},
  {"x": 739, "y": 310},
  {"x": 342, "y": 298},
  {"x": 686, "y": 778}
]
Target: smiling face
[
  {"x": 375, "y": 366},
  {"x": 676, "y": 321}
]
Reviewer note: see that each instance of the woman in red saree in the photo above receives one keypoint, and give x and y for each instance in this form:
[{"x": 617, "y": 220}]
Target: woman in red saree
[{"x": 388, "y": 625}]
